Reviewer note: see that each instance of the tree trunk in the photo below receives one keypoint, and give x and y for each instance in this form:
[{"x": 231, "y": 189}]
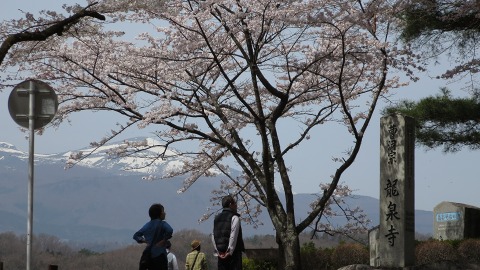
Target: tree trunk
[{"x": 289, "y": 249}]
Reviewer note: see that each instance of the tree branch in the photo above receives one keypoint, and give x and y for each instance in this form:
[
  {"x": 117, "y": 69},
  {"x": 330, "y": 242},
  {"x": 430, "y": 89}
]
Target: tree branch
[{"x": 56, "y": 28}]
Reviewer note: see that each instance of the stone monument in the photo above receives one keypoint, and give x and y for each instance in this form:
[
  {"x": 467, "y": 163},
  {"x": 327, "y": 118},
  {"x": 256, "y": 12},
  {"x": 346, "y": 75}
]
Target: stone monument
[
  {"x": 396, "y": 233},
  {"x": 455, "y": 221},
  {"x": 373, "y": 246}
]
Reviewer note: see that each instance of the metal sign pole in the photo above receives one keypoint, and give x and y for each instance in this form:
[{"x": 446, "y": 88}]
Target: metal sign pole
[
  {"x": 32, "y": 104},
  {"x": 31, "y": 127}
]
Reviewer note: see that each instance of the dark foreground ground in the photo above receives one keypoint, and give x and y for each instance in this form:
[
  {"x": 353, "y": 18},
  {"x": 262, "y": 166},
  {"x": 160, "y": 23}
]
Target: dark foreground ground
[{"x": 445, "y": 265}]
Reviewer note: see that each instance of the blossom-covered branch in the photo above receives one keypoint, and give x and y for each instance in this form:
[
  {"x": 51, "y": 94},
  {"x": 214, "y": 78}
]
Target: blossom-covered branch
[{"x": 41, "y": 33}]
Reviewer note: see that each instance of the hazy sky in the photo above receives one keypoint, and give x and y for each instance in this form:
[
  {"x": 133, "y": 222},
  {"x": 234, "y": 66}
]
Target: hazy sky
[{"x": 438, "y": 177}]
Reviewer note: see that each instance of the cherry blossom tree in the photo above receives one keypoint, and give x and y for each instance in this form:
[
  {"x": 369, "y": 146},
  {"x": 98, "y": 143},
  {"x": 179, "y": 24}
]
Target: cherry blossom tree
[
  {"x": 43, "y": 29},
  {"x": 229, "y": 76}
]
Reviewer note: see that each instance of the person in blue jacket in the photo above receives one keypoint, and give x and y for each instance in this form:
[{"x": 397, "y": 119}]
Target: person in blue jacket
[{"x": 155, "y": 234}]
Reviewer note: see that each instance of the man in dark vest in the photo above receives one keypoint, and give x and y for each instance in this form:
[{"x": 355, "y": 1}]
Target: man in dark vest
[{"x": 227, "y": 236}]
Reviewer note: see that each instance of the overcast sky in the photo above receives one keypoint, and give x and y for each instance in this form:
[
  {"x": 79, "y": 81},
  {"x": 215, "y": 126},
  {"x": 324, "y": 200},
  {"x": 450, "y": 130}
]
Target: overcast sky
[{"x": 438, "y": 177}]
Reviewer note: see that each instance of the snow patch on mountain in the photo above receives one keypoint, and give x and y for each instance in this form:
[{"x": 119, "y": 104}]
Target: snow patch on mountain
[
  {"x": 139, "y": 155},
  {"x": 10, "y": 148}
]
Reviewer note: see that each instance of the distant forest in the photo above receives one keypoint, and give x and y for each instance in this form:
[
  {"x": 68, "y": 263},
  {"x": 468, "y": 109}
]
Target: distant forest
[{"x": 50, "y": 250}]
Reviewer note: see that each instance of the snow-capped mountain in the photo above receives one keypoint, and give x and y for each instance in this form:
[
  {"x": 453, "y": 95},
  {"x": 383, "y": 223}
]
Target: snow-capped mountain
[
  {"x": 97, "y": 200},
  {"x": 138, "y": 155}
]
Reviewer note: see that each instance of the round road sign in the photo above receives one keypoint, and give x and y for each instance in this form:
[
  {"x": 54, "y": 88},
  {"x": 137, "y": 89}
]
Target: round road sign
[{"x": 45, "y": 103}]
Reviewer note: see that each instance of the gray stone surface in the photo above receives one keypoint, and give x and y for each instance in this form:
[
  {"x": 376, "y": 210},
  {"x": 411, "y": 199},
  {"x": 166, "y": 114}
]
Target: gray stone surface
[
  {"x": 445, "y": 265},
  {"x": 356, "y": 267},
  {"x": 455, "y": 221},
  {"x": 397, "y": 192},
  {"x": 373, "y": 236}
]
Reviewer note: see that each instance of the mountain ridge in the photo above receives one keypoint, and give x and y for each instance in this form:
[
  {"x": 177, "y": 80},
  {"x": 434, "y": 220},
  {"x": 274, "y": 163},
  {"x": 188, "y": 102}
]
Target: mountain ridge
[{"x": 95, "y": 202}]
